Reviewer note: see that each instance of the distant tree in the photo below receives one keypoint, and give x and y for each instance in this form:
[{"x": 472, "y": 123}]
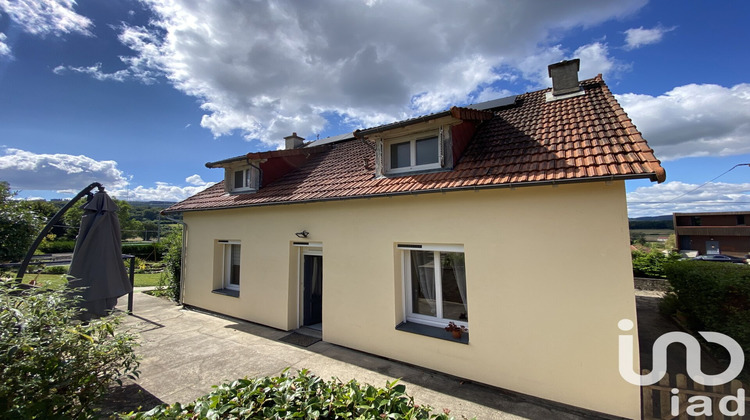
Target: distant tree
[
  {"x": 151, "y": 214},
  {"x": 18, "y": 226},
  {"x": 638, "y": 238},
  {"x": 671, "y": 242}
]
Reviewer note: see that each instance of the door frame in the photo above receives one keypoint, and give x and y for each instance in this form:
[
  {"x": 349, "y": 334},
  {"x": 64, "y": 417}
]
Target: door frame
[{"x": 309, "y": 248}]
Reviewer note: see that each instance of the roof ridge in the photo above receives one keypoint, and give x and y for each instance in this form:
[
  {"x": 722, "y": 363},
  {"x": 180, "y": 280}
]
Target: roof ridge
[{"x": 632, "y": 132}]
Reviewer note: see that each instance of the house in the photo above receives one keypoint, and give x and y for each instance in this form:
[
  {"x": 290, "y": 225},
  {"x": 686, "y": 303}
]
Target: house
[
  {"x": 713, "y": 233},
  {"x": 507, "y": 217}
]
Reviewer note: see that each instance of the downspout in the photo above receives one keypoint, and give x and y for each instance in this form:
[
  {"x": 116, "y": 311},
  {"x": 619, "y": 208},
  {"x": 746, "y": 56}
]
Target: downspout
[
  {"x": 182, "y": 254},
  {"x": 260, "y": 171}
]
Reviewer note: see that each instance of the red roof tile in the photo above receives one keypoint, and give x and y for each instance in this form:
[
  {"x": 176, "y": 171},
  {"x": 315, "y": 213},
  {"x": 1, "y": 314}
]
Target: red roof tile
[{"x": 583, "y": 138}]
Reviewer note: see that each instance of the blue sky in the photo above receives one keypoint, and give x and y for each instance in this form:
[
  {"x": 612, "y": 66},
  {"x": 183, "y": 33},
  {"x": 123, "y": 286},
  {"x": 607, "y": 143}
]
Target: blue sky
[{"x": 139, "y": 95}]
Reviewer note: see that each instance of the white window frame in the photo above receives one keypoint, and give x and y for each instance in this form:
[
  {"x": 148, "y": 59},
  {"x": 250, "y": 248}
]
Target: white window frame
[
  {"x": 226, "y": 257},
  {"x": 412, "y": 153},
  {"x": 409, "y": 315},
  {"x": 249, "y": 175}
]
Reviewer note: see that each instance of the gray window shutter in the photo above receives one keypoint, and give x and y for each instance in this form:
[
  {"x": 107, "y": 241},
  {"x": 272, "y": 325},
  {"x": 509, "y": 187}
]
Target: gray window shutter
[
  {"x": 379, "y": 161},
  {"x": 441, "y": 147}
]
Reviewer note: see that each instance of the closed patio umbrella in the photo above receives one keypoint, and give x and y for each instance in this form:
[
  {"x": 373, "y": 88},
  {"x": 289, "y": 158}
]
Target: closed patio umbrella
[{"x": 97, "y": 265}]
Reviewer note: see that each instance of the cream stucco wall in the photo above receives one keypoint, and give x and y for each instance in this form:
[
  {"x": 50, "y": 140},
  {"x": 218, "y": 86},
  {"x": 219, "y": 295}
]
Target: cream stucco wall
[{"x": 548, "y": 278}]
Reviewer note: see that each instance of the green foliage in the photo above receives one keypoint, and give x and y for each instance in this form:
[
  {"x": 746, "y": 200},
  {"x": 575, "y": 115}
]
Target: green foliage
[
  {"x": 150, "y": 251},
  {"x": 19, "y": 226},
  {"x": 305, "y": 396},
  {"x": 652, "y": 224},
  {"x": 56, "y": 269},
  {"x": 55, "y": 247},
  {"x": 637, "y": 238},
  {"x": 172, "y": 259},
  {"x": 651, "y": 264},
  {"x": 713, "y": 296},
  {"x": 52, "y": 366}
]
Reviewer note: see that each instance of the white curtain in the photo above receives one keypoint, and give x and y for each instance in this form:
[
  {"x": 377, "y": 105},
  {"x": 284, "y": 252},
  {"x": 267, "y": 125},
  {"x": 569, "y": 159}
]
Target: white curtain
[
  {"x": 424, "y": 264},
  {"x": 459, "y": 271}
]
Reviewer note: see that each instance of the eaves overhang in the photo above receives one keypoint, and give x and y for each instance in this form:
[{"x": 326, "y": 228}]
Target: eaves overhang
[{"x": 511, "y": 185}]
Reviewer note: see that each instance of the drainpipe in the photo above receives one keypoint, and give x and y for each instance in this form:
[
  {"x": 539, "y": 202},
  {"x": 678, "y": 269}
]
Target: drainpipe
[
  {"x": 260, "y": 171},
  {"x": 182, "y": 254}
]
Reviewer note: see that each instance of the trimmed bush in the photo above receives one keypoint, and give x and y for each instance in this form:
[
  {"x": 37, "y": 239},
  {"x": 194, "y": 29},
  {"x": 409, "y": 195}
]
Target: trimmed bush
[
  {"x": 151, "y": 251},
  {"x": 714, "y": 297},
  {"x": 56, "y": 269},
  {"x": 57, "y": 247},
  {"x": 651, "y": 264},
  {"x": 51, "y": 365},
  {"x": 305, "y": 396}
]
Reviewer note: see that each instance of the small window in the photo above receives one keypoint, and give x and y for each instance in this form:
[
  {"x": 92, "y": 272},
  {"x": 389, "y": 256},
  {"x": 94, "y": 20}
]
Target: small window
[
  {"x": 415, "y": 154},
  {"x": 244, "y": 179},
  {"x": 435, "y": 283},
  {"x": 741, "y": 219},
  {"x": 695, "y": 221},
  {"x": 231, "y": 271}
]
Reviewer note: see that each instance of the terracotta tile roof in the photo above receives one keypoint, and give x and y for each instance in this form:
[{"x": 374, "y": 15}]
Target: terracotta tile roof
[{"x": 584, "y": 138}]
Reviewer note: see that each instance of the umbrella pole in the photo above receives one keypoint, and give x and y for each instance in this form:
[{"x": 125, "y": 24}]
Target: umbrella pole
[
  {"x": 48, "y": 227},
  {"x": 132, "y": 283}
]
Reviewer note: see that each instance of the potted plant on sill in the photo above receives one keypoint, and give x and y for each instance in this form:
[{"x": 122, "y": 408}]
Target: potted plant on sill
[{"x": 456, "y": 330}]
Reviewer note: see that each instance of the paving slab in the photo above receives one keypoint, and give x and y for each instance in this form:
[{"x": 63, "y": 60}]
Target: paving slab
[{"x": 185, "y": 351}]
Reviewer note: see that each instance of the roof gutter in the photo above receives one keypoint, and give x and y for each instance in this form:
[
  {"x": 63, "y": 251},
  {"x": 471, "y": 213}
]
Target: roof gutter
[{"x": 511, "y": 185}]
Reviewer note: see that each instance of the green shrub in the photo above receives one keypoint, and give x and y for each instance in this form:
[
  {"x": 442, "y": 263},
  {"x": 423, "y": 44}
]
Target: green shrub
[
  {"x": 52, "y": 366},
  {"x": 651, "y": 264},
  {"x": 56, "y": 269},
  {"x": 151, "y": 251},
  {"x": 714, "y": 297},
  {"x": 305, "y": 396},
  {"x": 18, "y": 226},
  {"x": 170, "y": 278},
  {"x": 56, "y": 247}
]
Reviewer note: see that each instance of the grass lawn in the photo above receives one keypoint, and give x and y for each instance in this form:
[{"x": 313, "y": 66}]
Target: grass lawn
[{"x": 59, "y": 279}]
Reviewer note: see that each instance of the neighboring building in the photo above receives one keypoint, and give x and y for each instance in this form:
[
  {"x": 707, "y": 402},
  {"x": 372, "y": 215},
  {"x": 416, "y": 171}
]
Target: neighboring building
[
  {"x": 713, "y": 233},
  {"x": 507, "y": 217}
]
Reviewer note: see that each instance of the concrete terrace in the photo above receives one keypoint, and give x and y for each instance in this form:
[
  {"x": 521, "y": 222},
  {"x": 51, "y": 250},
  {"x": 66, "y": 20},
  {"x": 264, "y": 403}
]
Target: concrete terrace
[{"x": 184, "y": 352}]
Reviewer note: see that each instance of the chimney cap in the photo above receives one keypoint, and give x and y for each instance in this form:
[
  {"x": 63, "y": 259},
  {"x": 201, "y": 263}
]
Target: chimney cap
[
  {"x": 294, "y": 135},
  {"x": 564, "y": 63}
]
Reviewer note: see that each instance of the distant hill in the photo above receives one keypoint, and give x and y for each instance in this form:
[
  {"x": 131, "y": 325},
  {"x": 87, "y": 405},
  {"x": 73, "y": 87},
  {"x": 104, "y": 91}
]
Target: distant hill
[{"x": 652, "y": 222}]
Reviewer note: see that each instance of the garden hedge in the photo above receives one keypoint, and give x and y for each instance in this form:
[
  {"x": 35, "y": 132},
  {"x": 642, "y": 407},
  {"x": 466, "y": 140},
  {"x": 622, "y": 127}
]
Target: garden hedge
[
  {"x": 304, "y": 396},
  {"x": 714, "y": 297}
]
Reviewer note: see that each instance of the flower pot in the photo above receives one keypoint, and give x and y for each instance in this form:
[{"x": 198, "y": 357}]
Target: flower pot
[{"x": 456, "y": 334}]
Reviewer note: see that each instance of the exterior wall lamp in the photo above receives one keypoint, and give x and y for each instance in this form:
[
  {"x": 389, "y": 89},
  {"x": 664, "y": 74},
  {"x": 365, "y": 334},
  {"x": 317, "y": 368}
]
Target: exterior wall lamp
[{"x": 302, "y": 234}]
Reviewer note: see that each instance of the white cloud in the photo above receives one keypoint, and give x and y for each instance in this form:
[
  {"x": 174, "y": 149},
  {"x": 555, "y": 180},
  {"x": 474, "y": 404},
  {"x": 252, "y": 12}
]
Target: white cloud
[
  {"x": 161, "y": 192},
  {"x": 96, "y": 72},
  {"x": 693, "y": 120},
  {"x": 68, "y": 174},
  {"x": 47, "y": 17},
  {"x": 195, "y": 179},
  {"x": 638, "y": 37},
  {"x": 30, "y": 171},
  {"x": 4, "y": 48},
  {"x": 675, "y": 196},
  {"x": 267, "y": 69}
]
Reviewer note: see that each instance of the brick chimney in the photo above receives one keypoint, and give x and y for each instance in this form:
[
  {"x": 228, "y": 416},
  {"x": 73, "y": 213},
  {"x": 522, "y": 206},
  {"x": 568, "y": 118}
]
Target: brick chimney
[
  {"x": 565, "y": 77},
  {"x": 294, "y": 141}
]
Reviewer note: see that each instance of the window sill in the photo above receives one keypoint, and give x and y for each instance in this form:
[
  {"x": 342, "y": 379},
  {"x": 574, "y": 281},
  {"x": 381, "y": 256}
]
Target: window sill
[
  {"x": 227, "y": 292},
  {"x": 430, "y": 331}
]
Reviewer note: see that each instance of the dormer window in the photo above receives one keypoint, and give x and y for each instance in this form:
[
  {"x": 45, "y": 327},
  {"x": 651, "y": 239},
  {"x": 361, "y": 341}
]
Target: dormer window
[
  {"x": 413, "y": 154},
  {"x": 421, "y": 152},
  {"x": 242, "y": 179}
]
